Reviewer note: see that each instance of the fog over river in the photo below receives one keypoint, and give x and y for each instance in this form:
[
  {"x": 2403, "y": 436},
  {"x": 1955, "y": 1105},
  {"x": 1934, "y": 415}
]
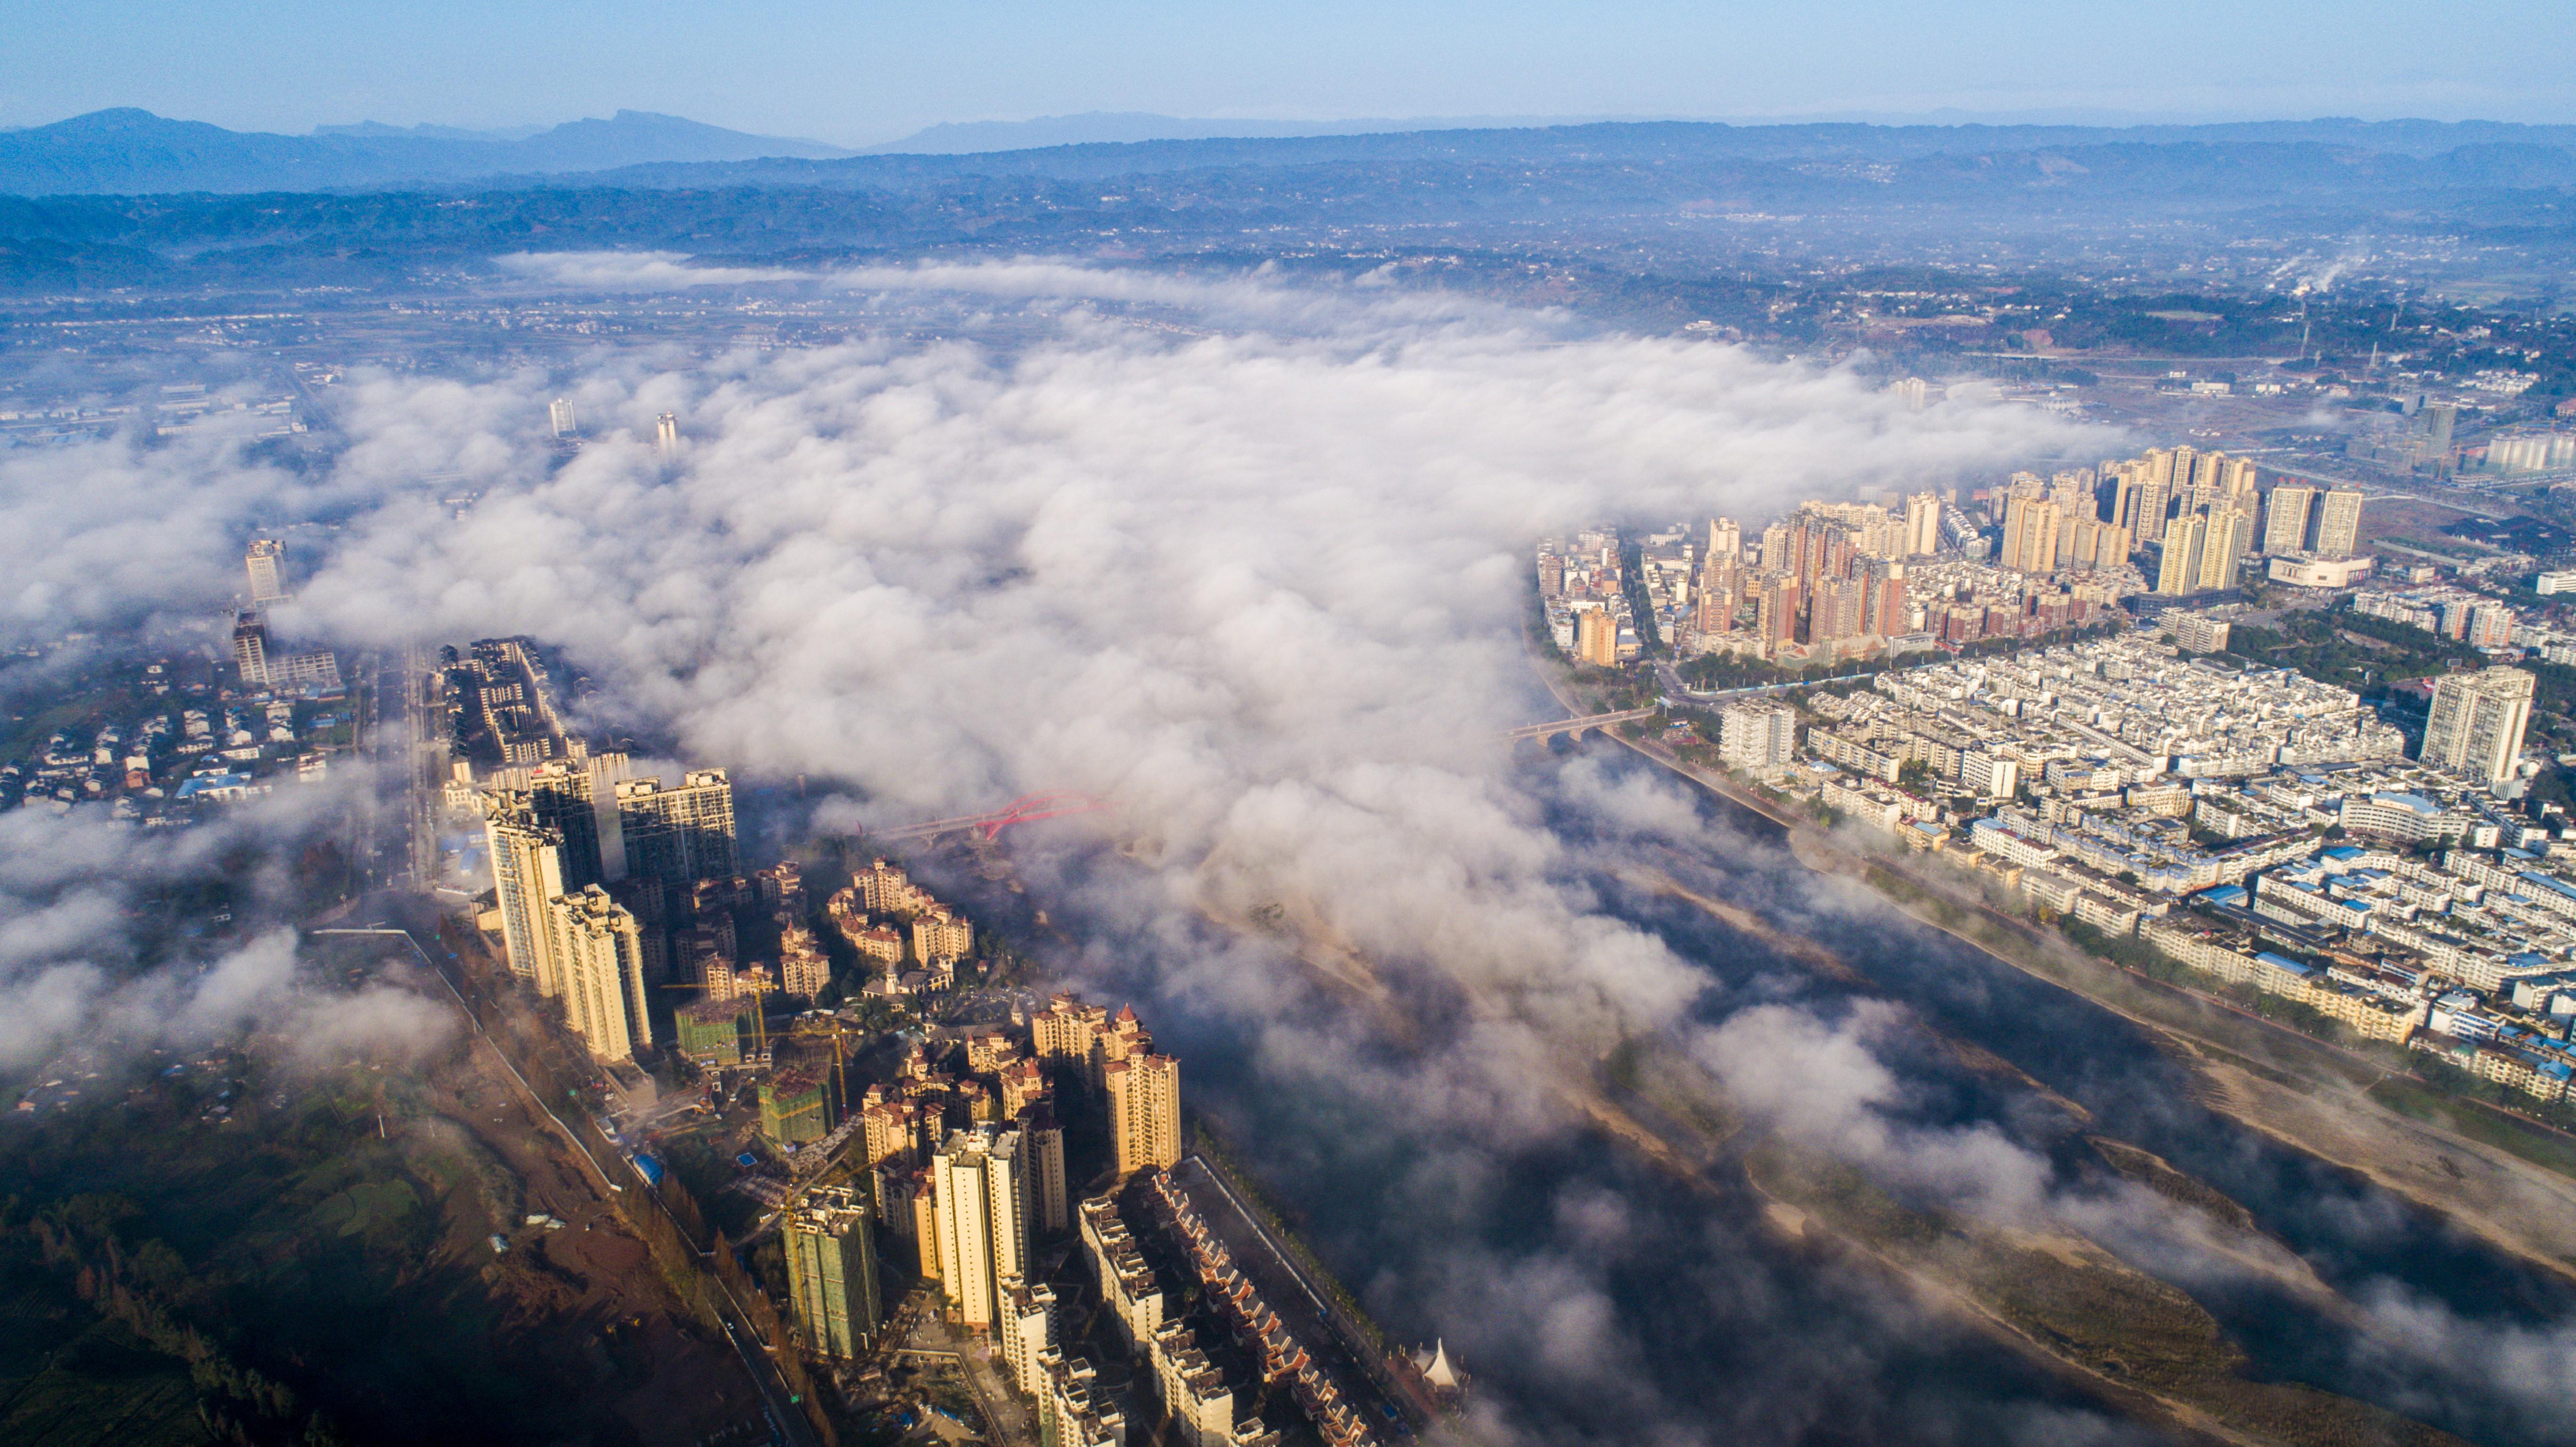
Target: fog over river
[{"x": 1599, "y": 1298}]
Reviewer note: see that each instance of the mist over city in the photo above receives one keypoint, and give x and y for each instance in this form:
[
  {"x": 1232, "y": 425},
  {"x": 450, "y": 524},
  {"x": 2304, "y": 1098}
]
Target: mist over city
[{"x": 1111, "y": 730}]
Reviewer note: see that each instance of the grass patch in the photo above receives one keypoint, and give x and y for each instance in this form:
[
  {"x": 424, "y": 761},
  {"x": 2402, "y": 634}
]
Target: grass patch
[
  {"x": 2544, "y": 1149},
  {"x": 104, "y": 1386},
  {"x": 2084, "y": 1306}
]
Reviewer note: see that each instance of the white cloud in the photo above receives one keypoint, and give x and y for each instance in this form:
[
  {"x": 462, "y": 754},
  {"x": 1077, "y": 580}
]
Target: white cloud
[
  {"x": 76, "y": 899},
  {"x": 1260, "y": 579},
  {"x": 634, "y": 270}
]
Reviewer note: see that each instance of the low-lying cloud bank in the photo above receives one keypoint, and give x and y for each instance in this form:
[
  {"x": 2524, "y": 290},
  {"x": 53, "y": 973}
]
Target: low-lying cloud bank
[
  {"x": 1260, "y": 579},
  {"x": 87, "y": 957},
  {"x": 1248, "y": 558},
  {"x": 1263, "y": 589}
]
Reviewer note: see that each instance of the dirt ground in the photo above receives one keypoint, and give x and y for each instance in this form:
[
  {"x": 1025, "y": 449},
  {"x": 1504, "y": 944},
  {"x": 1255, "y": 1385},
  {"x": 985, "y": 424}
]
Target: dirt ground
[
  {"x": 591, "y": 1284},
  {"x": 2512, "y": 1203}
]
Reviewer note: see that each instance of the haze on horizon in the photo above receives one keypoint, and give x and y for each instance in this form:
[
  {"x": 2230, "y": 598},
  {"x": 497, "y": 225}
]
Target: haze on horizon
[{"x": 811, "y": 70}]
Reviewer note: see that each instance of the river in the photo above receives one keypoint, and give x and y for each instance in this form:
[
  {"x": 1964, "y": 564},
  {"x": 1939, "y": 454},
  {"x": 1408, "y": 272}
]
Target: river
[{"x": 1596, "y": 1297}]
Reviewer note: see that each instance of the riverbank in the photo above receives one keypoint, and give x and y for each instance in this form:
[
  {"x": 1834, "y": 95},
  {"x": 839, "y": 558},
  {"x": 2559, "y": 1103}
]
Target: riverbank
[{"x": 2306, "y": 1093}]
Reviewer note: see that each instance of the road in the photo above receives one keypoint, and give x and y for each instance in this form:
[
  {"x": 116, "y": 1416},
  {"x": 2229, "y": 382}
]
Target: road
[
  {"x": 1309, "y": 1316},
  {"x": 393, "y": 736},
  {"x": 1671, "y": 678}
]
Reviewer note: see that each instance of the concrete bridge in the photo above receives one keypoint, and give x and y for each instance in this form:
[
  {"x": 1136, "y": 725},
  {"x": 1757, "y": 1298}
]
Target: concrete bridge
[{"x": 1576, "y": 728}]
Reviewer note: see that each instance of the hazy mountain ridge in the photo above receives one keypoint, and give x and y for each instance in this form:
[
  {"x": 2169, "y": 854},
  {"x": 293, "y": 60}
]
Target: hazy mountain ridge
[
  {"x": 1685, "y": 183},
  {"x": 963, "y": 138},
  {"x": 1684, "y": 155},
  {"x": 134, "y": 152}
]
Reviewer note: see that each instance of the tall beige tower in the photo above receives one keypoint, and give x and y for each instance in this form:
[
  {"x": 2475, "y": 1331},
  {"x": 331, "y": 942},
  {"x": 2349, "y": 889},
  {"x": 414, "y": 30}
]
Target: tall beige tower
[
  {"x": 1922, "y": 525},
  {"x": 598, "y": 956},
  {"x": 981, "y": 1185},
  {"x": 666, "y": 436},
  {"x": 1063, "y": 1035},
  {"x": 2476, "y": 725},
  {"x": 2339, "y": 523},
  {"x": 1596, "y": 638},
  {"x": 266, "y": 561},
  {"x": 1726, "y": 540},
  {"x": 1144, "y": 1112},
  {"x": 2230, "y": 532},
  {"x": 2179, "y": 572},
  {"x": 2156, "y": 491},
  {"x": 2285, "y": 519},
  {"x": 527, "y": 874},
  {"x": 2236, "y": 482},
  {"x": 2030, "y": 535}
]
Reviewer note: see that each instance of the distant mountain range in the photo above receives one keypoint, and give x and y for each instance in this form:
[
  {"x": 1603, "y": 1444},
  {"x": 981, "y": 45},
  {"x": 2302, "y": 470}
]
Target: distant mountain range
[
  {"x": 968, "y": 138},
  {"x": 133, "y": 152},
  {"x": 130, "y": 152}
]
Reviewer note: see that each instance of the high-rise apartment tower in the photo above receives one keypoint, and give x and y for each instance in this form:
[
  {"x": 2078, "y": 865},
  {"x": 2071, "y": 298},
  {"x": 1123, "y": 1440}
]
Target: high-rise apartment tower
[
  {"x": 2339, "y": 523},
  {"x": 527, "y": 874},
  {"x": 598, "y": 954},
  {"x": 981, "y": 1187},
  {"x": 1144, "y": 1112},
  {"x": 678, "y": 835},
  {"x": 2285, "y": 519},
  {"x": 2477, "y": 722},
  {"x": 832, "y": 1271},
  {"x": 266, "y": 562}
]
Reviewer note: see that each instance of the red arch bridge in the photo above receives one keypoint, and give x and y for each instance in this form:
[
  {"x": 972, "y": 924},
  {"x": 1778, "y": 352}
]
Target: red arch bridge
[{"x": 1026, "y": 809}]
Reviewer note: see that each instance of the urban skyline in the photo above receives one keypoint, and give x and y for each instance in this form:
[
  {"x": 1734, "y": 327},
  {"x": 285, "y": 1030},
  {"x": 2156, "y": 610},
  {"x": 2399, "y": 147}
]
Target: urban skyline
[{"x": 1092, "y": 785}]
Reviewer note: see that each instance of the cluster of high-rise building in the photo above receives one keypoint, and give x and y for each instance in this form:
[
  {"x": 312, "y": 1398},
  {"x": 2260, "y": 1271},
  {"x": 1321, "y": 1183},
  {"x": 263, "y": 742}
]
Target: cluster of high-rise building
[
  {"x": 601, "y": 881},
  {"x": 1007, "y": 1104},
  {"x": 1116, "y": 1063},
  {"x": 572, "y": 931},
  {"x": 1584, "y": 591},
  {"x": 961, "y": 1159},
  {"x": 2057, "y": 523},
  {"x": 2206, "y": 514},
  {"x": 1831, "y": 577},
  {"x": 1838, "y": 580}
]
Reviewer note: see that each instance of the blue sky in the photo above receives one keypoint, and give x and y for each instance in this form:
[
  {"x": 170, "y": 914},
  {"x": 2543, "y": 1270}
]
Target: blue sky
[{"x": 858, "y": 71}]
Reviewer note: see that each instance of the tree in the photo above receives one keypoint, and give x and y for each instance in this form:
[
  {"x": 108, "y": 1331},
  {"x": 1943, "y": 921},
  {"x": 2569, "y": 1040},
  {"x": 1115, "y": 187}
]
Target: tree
[{"x": 1914, "y": 775}]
